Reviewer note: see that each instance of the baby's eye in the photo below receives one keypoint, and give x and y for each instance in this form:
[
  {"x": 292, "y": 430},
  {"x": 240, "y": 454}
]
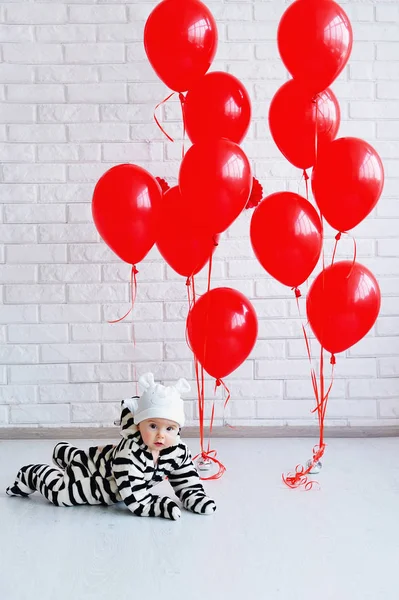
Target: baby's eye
[
  {"x": 170, "y": 428},
  {"x": 153, "y": 426}
]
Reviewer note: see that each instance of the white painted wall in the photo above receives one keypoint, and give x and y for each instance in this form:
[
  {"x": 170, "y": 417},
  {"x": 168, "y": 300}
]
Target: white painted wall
[{"x": 77, "y": 98}]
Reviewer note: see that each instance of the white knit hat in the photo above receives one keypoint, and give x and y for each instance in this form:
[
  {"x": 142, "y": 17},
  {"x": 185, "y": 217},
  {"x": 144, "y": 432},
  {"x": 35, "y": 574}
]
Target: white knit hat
[{"x": 158, "y": 401}]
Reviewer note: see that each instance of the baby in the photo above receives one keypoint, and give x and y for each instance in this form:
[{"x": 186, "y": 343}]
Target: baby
[{"x": 150, "y": 451}]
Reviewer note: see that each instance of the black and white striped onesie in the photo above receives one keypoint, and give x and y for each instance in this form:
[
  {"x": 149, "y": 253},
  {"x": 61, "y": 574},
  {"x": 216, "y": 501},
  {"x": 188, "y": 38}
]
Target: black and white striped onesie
[{"x": 110, "y": 474}]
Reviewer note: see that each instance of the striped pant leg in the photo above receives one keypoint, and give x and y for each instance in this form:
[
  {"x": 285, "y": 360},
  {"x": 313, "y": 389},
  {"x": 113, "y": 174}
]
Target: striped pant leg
[
  {"x": 64, "y": 454},
  {"x": 32, "y": 478},
  {"x": 62, "y": 488},
  {"x": 78, "y": 486}
]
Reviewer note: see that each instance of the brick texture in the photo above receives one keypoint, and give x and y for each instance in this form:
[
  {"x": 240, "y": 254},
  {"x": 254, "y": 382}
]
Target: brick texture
[{"x": 78, "y": 96}]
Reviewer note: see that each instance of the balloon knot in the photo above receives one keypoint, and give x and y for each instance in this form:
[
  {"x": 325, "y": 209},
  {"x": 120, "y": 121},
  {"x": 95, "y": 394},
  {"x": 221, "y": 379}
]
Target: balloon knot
[
  {"x": 215, "y": 243},
  {"x": 135, "y": 271},
  {"x": 305, "y": 175},
  {"x": 338, "y": 236},
  {"x": 182, "y": 97},
  {"x": 256, "y": 194},
  {"x": 332, "y": 359},
  {"x": 188, "y": 282},
  {"x": 163, "y": 184},
  {"x": 297, "y": 292},
  {"x": 218, "y": 382}
]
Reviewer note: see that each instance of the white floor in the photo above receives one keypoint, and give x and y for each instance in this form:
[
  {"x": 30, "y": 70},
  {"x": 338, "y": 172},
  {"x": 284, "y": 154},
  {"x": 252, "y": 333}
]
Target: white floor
[{"x": 340, "y": 542}]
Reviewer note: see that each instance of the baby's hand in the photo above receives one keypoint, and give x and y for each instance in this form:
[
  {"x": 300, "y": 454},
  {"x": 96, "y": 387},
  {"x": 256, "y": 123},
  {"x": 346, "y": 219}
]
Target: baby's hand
[{"x": 200, "y": 504}]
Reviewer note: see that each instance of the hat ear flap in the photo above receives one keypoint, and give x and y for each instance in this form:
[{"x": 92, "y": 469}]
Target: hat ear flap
[
  {"x": 182, "y": 386},
  {"x": 146, "y": 381},
  {"x": 131, "y": 404}
]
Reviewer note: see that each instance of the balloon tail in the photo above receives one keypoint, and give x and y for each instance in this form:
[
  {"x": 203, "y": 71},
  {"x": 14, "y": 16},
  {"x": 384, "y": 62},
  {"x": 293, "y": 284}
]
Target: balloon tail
[{"x": 133, "y": 293}]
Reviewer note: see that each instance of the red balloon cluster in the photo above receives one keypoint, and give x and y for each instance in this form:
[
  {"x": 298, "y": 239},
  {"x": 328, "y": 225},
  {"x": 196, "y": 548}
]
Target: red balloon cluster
[
  {"x": 215, "y": 178},
  {"x": 315, "y": 40},
  {"x": 132, "y": 210}
]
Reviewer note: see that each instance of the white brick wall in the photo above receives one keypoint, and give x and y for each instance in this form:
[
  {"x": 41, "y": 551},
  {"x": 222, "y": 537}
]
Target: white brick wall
[{"x": 78, "y": 96}]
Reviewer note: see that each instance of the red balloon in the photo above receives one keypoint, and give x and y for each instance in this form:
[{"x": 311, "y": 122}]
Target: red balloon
[
  {"x": 218, "y": 106},
  {"x": 185, "y": 249},
  {"x": 315, "y": 40},
  {"x": 124, "y": 203},
  {"x": 295, "y": 118},
  {"x": 222, "y": 328},
  {"x": 286, "y": 237},
  {"x": 347, "y": 181},
  {"x": 342, "y": 305},
  {"x": 215, "y": 179},
  {"x": 180, "y": 40}
]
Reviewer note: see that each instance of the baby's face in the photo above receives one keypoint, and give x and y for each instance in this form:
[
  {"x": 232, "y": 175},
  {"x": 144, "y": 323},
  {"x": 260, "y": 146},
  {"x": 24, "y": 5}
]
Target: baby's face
[{"x": 158, "y": 434}]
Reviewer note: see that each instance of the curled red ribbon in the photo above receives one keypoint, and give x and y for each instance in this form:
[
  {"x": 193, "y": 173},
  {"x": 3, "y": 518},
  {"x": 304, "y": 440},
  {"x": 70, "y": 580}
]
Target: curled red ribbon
[{"x": 133, "y": 293}]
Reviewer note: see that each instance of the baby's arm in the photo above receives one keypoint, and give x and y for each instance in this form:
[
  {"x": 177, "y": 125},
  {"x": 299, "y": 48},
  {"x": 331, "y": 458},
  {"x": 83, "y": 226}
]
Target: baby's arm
[
  {"x": 188, "y": 487},
  {"x": 129, "y": 477}
]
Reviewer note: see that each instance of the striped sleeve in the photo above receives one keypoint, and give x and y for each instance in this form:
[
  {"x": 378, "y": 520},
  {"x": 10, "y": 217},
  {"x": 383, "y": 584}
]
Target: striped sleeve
[
  {"x": 189, "y": 489},
  {"x": 133, "y": 488}
]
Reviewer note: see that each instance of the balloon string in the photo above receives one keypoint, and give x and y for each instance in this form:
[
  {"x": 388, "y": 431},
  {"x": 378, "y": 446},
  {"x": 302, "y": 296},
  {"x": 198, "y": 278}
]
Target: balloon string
[
  {"x": 190, "y": 295},
  {"x": 199, "y": 375},
  {"x": 133, "y": 292},
  {"x": 210, "y": 270},
  {"x": 220, "y": 382},
  {"x": 354, "y": 257},
  {"x": 191, "y": 301},
  {"x": 207, "y": 454},
  {"x": 211, "y": 455},
  {"x": 337, "y": 238},
  {"x": 155, "y": 116},
  {"x": 316, "y": 140},
  {"x": 134, "y": 364},
  {"x": 211, "y": 426},
  {"x": 299, "y": 478},
  {"x": 182, "y": 100},
  {"x": 306, "y": 178}
]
